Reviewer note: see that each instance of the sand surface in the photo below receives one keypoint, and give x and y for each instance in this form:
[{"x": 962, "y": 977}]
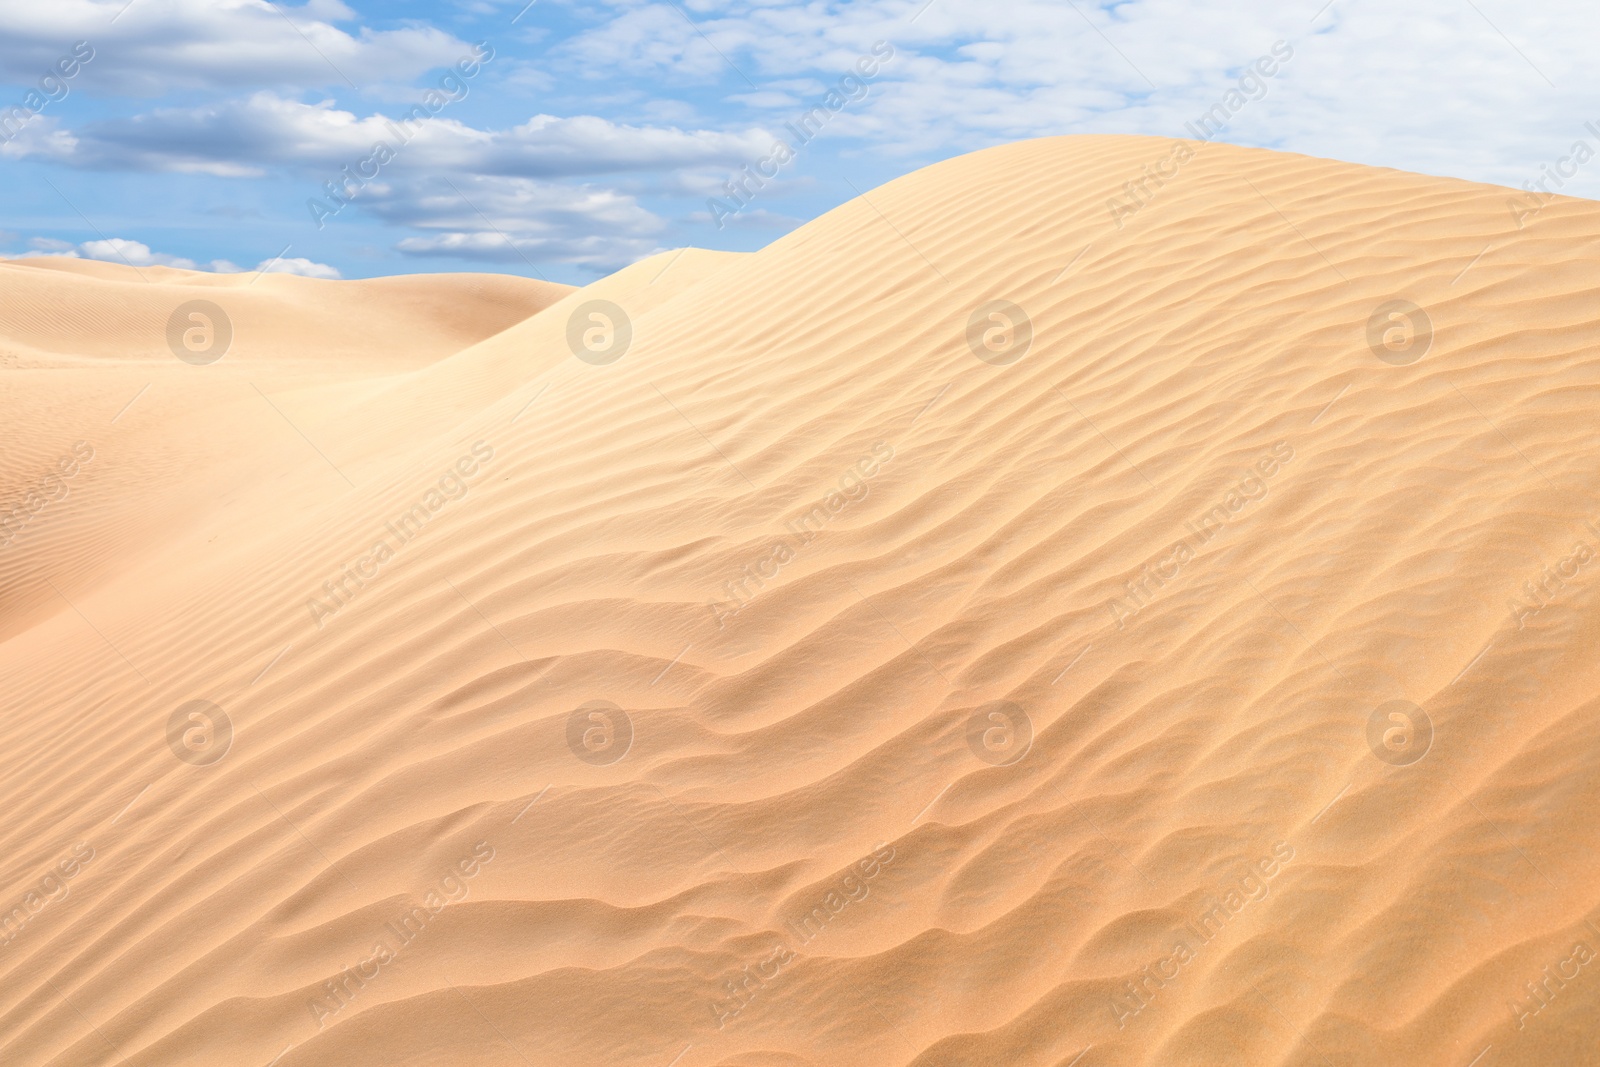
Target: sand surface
[{"x": 1181, "y": 683}]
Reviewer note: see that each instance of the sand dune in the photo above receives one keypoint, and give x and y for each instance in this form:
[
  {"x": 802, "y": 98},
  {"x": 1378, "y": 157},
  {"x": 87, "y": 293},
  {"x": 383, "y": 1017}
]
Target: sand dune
[{"x": 828, "y": 664}]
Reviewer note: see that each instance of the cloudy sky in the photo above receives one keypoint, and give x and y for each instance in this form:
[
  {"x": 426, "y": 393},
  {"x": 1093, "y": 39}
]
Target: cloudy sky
[{"x": 564, "y": 139}]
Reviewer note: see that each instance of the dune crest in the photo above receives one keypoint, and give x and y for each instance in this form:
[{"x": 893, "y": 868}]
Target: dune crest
[{"x": 986, "y": 626}]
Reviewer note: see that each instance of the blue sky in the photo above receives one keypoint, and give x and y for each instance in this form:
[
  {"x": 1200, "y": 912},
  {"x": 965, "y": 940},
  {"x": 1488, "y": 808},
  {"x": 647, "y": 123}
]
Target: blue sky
[{"x": 565, "y": 140}]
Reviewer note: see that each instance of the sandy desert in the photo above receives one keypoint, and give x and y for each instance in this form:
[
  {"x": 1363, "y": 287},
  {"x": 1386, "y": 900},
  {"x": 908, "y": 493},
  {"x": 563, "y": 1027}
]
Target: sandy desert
[{"x": 1004, "y": 621}]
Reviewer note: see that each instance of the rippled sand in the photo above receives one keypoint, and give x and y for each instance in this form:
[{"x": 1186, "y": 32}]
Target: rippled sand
[{"x": 1012, "y": 619}]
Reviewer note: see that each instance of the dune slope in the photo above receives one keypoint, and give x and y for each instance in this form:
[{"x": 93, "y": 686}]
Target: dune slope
[{"x": 1017, "y": 618}]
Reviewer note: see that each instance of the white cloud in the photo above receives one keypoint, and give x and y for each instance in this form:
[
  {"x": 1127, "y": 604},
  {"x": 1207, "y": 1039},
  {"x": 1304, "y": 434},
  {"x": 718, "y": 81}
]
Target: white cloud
[
  {"x": 242, "y": 138},
  {"x": 1437, "y": 86},
  {"x": 39, "y": 136},
  {"x": 503, "y": 172},
  {"x": 521, "y": 219},
  {"x": 156, "y": 46},
  {"x": 298, "y": 265},
  {"x": 139, "y": 254},
  {"x": 49, "y": 246}
]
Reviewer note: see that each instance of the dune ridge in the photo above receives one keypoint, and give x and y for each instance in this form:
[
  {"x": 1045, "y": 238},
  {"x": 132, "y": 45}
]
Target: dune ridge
[{"x": 776, "y": 680}]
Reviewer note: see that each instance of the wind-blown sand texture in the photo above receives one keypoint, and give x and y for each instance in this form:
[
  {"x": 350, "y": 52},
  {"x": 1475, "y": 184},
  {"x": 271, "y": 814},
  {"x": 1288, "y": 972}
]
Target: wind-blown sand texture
[{"x": 833, "y": 569}]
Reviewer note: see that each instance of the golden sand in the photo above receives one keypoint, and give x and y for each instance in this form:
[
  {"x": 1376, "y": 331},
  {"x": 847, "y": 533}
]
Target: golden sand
[{"x": 982, "y": 627}]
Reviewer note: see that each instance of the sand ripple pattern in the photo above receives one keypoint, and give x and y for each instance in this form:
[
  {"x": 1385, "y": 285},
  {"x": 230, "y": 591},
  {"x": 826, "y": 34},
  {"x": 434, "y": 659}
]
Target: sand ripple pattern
[{"x": 803, "y": 689}]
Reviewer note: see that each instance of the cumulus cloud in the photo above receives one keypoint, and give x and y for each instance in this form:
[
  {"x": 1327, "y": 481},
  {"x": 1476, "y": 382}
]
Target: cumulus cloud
[
  {"x": 305, "y": 268},
  {"x": 156, "y": 46},
  {"x": 139, "y": 254},
  {"x": 40, "y": 137}
]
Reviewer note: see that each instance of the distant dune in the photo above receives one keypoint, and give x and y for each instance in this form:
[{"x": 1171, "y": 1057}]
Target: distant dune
[{"x": 1096, "y": 601}]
